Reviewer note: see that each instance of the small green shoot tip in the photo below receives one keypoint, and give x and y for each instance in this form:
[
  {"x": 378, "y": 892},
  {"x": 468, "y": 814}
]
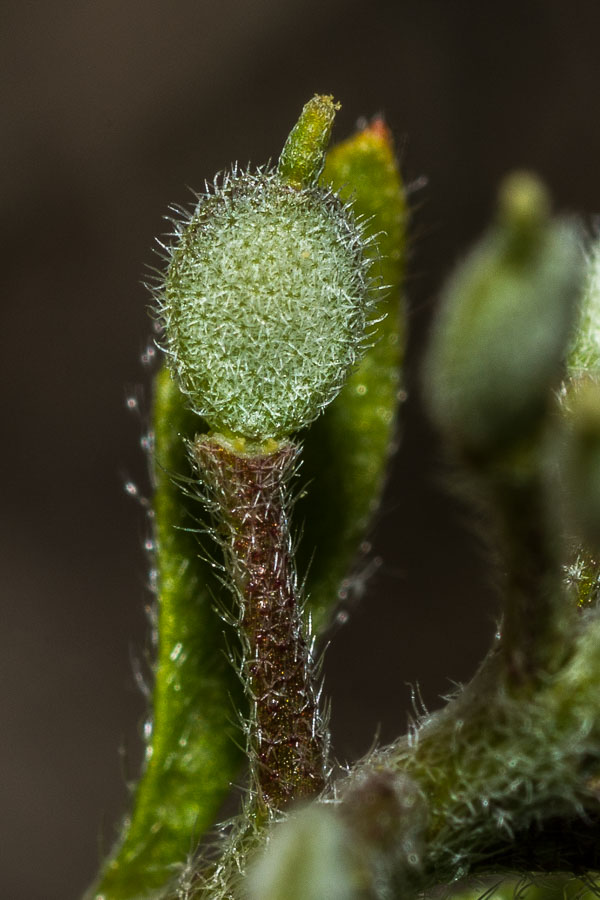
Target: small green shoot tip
[
  {"x": 523, "y": 208},
  {"x": 303, "y": 156}
]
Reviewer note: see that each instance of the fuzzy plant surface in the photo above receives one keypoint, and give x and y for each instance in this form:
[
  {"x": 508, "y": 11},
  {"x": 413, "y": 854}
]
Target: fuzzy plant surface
[{"x": 281, "y": 319}]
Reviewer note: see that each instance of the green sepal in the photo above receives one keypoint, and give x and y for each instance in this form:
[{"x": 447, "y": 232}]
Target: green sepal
[
  {"x": 347, "y": 449},
  {"x": 194, "y": 752}
]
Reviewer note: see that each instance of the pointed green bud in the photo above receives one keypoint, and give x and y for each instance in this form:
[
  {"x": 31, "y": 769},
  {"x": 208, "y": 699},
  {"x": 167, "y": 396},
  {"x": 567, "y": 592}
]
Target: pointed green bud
[
  {"x": 303, "y": 156},
  {"x": 266, "y": 297},
  {"x": 501, "y": 334}
]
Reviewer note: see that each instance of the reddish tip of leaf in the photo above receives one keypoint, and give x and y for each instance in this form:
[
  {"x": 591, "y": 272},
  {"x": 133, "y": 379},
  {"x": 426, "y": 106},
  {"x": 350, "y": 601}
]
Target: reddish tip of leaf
[
  {"x": 378, "y": 129},
  {"x": 375, "y": 137}
]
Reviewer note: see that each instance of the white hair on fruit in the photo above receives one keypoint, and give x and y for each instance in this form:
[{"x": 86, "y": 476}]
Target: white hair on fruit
[{"x": 265, "y": 303}]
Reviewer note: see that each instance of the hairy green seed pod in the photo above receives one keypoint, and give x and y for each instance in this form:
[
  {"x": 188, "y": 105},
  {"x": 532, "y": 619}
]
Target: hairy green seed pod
[
  {"x": 265, "y": 300},
  {"x": 504, "y": 324}
]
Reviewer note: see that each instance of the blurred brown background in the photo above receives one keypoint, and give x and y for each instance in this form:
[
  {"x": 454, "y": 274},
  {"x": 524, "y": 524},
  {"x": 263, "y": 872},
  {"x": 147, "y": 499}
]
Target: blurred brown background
[{"x": 110, "y": 110}]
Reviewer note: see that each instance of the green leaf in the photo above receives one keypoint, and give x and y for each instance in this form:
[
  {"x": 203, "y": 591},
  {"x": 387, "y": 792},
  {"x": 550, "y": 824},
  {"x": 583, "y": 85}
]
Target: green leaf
[
  {"x": 346, "y": 451},
  {"x": 193, "y": 753}
]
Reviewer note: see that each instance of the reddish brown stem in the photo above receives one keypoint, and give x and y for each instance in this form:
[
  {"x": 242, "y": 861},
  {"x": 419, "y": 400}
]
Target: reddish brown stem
[{"x": 249, "y": 498}]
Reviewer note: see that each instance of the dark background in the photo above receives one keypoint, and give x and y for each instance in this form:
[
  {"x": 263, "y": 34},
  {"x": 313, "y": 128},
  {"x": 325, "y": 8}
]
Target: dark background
[{"x": 111, "y": 108}]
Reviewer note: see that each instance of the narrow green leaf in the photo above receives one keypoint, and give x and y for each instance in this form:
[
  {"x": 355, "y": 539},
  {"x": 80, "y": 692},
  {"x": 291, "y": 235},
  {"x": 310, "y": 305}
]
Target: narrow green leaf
[
  {"x": 193, "y": 753},
  {"x": 346, "y": 451}
]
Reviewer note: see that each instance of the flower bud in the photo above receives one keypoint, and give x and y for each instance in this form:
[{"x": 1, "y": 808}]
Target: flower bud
[
  {"x": 504, "y": 323},
  {"x": 584, "y": 353}
]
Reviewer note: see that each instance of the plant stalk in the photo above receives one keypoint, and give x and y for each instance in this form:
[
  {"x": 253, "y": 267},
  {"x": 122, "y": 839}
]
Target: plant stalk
[{"x": 248, "y": 496}]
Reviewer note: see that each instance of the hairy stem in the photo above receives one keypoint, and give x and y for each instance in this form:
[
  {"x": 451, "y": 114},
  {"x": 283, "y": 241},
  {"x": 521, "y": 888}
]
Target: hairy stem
[
  {"x": 538, "y": 620},
  {"x": 249, "y": 498}
]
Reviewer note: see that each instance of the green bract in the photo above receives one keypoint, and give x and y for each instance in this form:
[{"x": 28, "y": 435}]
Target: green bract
[{"x": 265, "y": 304}]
